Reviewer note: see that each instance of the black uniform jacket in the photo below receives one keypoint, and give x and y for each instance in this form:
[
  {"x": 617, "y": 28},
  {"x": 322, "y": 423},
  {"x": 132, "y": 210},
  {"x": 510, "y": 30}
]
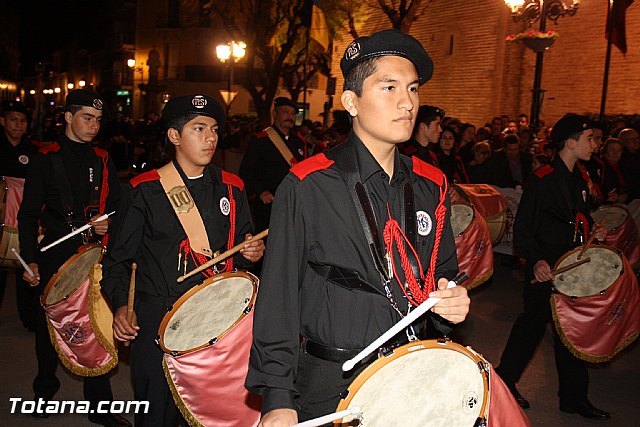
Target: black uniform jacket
[
  {"x": 545, "y": 224},
  {"x": 263, "y": 168},
  {"x": 14, "y": 161},
  {"x": 148, "y": 232},
  {"x": 314, "y": 223},
  {"x": 43, "y": 203},
  {"x": 413, "y": 148}
]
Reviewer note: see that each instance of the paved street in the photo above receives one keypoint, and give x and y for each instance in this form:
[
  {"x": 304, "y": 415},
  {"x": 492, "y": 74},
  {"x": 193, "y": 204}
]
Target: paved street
[{"x": 614, "y": 386}]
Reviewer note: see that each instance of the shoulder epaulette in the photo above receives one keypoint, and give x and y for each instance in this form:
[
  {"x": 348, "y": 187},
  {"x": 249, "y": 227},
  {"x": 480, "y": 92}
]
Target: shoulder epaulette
[
  {"x": 543, "y": 171},
  {"x": 151, "y": 175},
  {"x": 39, "y": 144},
  {"x": 101, "y": 153},
  {"x": 54, "y": 147},
  {"x": 232, "y": 179},
  {"x": 315, "y": 163},
  {"x": 425, "y": 170},
  {"x": 262, "y": 134},
  {"x": 408, "y": 150}
]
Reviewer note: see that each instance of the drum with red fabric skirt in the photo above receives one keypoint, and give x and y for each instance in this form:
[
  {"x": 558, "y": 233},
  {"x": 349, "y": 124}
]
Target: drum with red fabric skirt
[
  {"x": 595, "y": 305},
  {"x": 78, "y": 316},
  {"x": 473, "y": 244},
  {"x": 431, "y": 383},
  {"x": 622, "y": 232},
  {"x": 206, "y": 338},
  {"x": 491, "y": 205}
]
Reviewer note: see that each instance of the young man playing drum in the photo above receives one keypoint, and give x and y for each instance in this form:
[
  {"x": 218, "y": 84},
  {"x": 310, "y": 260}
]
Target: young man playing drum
[
  {"x": 553, "y": 218},
  {"x": 322, "y": 280},
  {"x": 69, "y": 183},
  {"x": 150, "y": 232}
]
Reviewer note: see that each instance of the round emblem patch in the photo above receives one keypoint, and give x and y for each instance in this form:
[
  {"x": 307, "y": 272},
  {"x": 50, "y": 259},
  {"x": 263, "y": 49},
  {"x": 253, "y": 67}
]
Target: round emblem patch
[
  {"x": 353, "y": 51},
  {"x": 424, "y": 223},
  {"x": 74, "y": 333},
  {"x": 199, "y": 101},
  {"x": 225, "y": 206},
  {"x": 23, "y": 159}
]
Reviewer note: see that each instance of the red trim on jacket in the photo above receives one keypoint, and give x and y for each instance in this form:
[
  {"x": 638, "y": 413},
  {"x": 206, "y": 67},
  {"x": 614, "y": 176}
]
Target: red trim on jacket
[
  {"x": 312, "y": 164},
  {"x": 543, "y": 171},
  {"x": 428, "y": 171},
  {"x": 151, "y": 175},
  {"x": 54, "y": 147},
  {"x": 229, "y": 178}
]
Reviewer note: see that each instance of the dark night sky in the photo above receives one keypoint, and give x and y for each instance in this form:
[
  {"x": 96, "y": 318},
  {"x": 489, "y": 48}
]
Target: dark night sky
[{"x": 47, "y": 25}]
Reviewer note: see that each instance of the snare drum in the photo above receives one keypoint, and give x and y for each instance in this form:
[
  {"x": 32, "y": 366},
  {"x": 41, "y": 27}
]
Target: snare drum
[
  {"x": 11, "y": 190},
  {"x": 622, "y": 231},
  {"x": 206, "y": 338},
  {"x": 491, "y": 205},
  {"x": 434, "y": 383},
  {"x": 79, "y": 319},
  {"x": 595, "y": 305},
  {"x": 473, "y": 244}
]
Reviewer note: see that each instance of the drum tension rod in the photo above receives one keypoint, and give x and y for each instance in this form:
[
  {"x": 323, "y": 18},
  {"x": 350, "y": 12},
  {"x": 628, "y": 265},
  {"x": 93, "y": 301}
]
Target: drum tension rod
[
  {"x": 248, "y": 309},
  {"x": 213, "y": 340}
]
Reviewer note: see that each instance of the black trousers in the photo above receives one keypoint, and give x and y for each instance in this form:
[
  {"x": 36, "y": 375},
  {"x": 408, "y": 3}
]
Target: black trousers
[
  {"x": 320, "y": 383},
  {"x": 26, "y": 298},
  {"x": 526, "y": 334},
  {"x": 149, "y": 382}
]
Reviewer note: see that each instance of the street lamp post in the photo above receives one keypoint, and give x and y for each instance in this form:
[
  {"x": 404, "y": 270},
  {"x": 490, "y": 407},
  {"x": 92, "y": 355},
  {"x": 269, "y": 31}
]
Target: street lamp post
[
  {"x": 531, "y": 11},
  {"x": 230, "y": 53}
]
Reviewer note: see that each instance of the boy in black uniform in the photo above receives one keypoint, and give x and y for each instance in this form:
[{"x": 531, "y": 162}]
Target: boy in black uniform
[
  {"x": 16, "y": 151},
  {"x": 426, "y": 132},
  {"x": 69, "y": 183},
  {"x": 320, "y": 279},
  {"x": 150, "y": 232},
  {"x": 553, "y": 218}
]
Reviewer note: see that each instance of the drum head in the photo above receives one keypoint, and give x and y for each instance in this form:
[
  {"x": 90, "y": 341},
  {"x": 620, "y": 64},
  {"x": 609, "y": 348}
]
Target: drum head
[
  {"x": 461, "y": 218},
  {"x": 422, "y": 383},
  {"x": 207, "y": 311},
  {"x": 72, "y": 274},
  {"x": 613, "y": 216},
  {"x": 603, "y": 269}
]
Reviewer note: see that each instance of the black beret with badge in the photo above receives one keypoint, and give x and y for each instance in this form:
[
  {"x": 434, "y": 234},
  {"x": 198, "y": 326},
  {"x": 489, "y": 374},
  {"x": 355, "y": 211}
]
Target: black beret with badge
[
  {"x": 16, "y": 106},
  {"x": 569, "y": 124},
  {"x": 388, "y": 43},
  {"x": 87, "y": 98},
  {"x": 282, "y": 101},
  {"x": 201, "y": 105}
]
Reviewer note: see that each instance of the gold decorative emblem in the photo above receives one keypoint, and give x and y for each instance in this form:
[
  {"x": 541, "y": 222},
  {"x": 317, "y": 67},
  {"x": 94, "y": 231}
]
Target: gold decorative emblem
[{"x": 180, "y": 199}]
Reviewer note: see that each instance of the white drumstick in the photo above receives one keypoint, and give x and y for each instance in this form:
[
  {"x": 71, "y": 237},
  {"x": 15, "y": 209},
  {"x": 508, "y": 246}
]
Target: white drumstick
[
  {"x": 77, "y": 231},
  {"x": 329, "y": 418},
  {"x": 24, "y": 264},
  {"x": 402, "y": 324}
]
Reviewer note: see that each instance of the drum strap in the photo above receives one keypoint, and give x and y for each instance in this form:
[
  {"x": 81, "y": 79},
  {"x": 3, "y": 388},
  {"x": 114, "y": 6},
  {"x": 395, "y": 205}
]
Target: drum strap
[
  {"x": 346, "y": 162},
  {"x": 185, "y": 208},
  {"x": 279, "y": 143}
]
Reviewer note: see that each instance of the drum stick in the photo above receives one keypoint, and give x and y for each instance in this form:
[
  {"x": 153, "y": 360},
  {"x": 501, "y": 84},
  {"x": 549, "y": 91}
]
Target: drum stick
[
  {"x": 132, "y": 294},
  {"x": 566, "y": 268},
  {"x": 320, "y": 421},
  {"x": 23, "y": 263},
  {"x": 402, "y": 324},
  {"x": 77, "y": 231},
  {"x": 591, "y": 237},
  {"x": 223, "y": 255}
]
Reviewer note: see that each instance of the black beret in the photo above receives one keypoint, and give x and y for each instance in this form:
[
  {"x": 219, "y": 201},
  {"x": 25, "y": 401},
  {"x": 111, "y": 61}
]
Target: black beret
[
  {"x": 201, "y": 105},
  {"x": 16, "y": 106},
  {"x": 87, "y": 98},
  {"x": 282, "y": 101},
  {"x": 388, "y": 43},
  {"x": 569, "y": 125}
]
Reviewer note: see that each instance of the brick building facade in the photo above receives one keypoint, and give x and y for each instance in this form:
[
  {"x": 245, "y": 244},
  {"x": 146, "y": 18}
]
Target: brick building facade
[{"x": 479, "y": 75}]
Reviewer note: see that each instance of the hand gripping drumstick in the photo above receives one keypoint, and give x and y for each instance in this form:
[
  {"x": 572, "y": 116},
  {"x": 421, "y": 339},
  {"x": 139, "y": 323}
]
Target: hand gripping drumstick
[
  {"x": 566, "y": 268},
  {"x": 402, "y": 324},
  {"x": 23, "y": 263},
  {"x": 77, "y": 231},
  {"x": 132, "y": 294},
  {"x": 223, "y": 255},
  {"x": 593, "y": 236},
  {"x": 320, "y": 421}
]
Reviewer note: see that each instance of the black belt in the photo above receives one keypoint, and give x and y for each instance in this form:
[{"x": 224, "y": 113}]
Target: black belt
[
  {"x": 165, "y": 302},
  {"x": 341, "y": 355}
]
